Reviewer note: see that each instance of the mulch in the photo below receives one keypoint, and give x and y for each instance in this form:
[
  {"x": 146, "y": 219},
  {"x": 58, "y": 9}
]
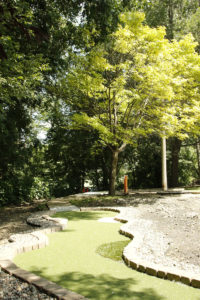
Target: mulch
[
  {"x": 13, "y": 220},
  {"x": 12, "y": 288}
]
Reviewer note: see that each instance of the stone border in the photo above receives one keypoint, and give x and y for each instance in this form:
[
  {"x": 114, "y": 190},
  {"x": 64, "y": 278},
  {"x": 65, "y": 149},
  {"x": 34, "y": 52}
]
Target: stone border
[
  {"x": 35, "y": 239},
  {"x": 144, "y": 266}
]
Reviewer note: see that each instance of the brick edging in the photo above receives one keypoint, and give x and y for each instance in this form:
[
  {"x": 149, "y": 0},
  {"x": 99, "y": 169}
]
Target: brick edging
[
  {"x": 157, "y": 271},
  {"x": 44, "y": 285},
  {"x": 55, "y": 290}
]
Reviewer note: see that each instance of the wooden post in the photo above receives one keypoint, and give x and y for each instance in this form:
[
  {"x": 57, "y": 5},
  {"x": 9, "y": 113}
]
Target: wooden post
[
  {"x": 125, "y": 184},
  {"x": 164, "y": 164}
]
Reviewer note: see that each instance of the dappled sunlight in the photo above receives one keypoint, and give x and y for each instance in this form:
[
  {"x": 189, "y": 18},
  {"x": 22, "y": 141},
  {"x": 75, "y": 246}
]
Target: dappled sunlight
[
  {"x": 79, "y": 216},
  {"x": 102, "y": 287},
  {"x": 71, "y": 260}
]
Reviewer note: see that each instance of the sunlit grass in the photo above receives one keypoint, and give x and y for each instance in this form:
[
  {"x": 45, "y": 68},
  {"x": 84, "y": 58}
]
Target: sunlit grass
[
  {"x": 71, "y": 260},
  {"x": 112, "y": 250}
]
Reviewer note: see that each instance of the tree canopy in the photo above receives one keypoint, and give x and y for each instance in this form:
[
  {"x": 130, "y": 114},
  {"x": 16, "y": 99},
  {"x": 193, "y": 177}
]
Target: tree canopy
[
  {"x": 135, "y": 84},
  {"x": 97, "y": 74}
]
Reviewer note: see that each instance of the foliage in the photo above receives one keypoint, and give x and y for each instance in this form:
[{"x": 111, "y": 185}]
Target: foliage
[
  {"x": 193, "y": 25},
  {"x": 31, "y": 58},
  {"x": 143, "y": 163},
  {"x": 188, "y": 166},
  {"x": 39, "y": 189},
  {"x": 113, "y": 84},
  {"x": 41, "y": 207},
  {"x": 117, "y": 88},
  {"x": 173, "y": 14}
]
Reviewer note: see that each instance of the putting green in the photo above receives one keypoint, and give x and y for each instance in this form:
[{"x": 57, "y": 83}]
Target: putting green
[{"x": 71, "y": 261}]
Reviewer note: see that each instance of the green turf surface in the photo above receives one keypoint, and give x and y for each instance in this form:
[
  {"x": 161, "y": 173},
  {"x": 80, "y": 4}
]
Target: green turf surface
[
  {"x": 112, "y": 250},
  {"x": 71, "y": 260}
]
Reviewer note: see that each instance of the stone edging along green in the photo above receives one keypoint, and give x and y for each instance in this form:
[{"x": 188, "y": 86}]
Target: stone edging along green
[
  {"x": 150, "y": 269},
  {"x": 36, "y": 239},
  {"x": 32, "y": 240}
]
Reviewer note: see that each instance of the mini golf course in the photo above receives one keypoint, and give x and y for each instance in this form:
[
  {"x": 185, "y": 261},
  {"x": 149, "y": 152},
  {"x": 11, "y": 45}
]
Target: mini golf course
[{"x": 85, "y": 258}]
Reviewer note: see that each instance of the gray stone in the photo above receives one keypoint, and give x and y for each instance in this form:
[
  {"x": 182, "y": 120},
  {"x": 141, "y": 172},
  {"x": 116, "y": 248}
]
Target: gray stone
[{"x": 64, "y": 208}]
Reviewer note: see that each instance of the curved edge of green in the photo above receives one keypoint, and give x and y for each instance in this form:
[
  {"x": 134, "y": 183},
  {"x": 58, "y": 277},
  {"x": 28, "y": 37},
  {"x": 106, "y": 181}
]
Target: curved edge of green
[{"x": 112, "y": 250}]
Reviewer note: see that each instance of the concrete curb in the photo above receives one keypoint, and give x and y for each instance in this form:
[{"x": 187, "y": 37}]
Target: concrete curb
[{"x": 32, "y": 240}]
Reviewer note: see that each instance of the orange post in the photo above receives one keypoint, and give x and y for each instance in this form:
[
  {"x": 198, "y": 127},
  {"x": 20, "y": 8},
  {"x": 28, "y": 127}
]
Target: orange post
[{"x": 125, "y": 184}]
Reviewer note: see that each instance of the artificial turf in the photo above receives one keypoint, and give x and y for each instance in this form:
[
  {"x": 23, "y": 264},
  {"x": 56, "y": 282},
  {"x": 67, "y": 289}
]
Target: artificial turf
[
  {"x": 71, "y": 260},
  {"x": 112, "y": 250}
]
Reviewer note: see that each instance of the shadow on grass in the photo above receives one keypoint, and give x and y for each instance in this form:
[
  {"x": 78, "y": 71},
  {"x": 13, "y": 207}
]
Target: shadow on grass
[
  {"x": 79, "y": 216},
  {"x": 101, "y": 287}
]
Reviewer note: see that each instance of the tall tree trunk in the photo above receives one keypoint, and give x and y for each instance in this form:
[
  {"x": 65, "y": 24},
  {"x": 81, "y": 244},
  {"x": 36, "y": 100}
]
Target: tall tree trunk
[
  {"x": 164, "y": 165},
  {"x": 171, "y": 20},
  {"x": 105, "y": 166},
  {"x": 198, "y": 157},
  {"x": 97, "y": 179},
  {"x": 176, "y": 147},
  {"x": 113, "y": 172}
]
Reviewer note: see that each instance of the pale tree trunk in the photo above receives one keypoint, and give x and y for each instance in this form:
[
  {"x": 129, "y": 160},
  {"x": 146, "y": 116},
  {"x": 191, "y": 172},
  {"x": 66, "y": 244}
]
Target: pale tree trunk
[
  {"x": 176, "y": 147},
  {"x": 164, "y": 165},
  {"x": 198, "y": 157},
  {"x": 113, "y": 172}
]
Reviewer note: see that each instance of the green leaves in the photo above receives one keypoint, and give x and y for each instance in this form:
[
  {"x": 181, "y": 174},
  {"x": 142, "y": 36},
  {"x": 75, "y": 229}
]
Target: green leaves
[{"x": 137, "y": 84}]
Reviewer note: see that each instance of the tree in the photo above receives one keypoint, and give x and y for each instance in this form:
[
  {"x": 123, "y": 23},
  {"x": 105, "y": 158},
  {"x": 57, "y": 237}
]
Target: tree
[
  {"x": 173, "y": 14},
  {"x": 142, "y": 162},
  {"x": 179, "y": 17},
  {"x": 118, "y": 87},
  {"x": 36, "y": 37}
]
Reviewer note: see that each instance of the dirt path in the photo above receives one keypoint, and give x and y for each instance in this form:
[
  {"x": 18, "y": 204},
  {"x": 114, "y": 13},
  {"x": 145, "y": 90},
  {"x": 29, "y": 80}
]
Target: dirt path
[
  {"x": 13, "y": 220},
  {"x": 177, "y": 218}
]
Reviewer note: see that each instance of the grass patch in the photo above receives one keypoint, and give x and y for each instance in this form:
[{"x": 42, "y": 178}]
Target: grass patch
[
  {"x": 192, "y": 188},
  {"x": 93, "y": 201},
  {"x": 112, "y": 250},
  {"x": 71, "y": 261}
]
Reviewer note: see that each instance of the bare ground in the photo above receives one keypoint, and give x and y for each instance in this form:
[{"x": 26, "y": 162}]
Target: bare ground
[
  {"x": 178, "y": 219},
  {"x": 13, "y": 220}
]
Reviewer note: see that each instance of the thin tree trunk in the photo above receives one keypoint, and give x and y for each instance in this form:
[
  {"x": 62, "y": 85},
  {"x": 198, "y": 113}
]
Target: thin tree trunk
[
  {"x": 171, "y": 20},
  {"x": 176, "y": 147},
  {"x": 97, "y": 179},
  {"x": 198, "y": 157},
  {"x": 105, "y": 163},
  {"x": 113, "y": 172},
  {"x": 164, "y": 165}
]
